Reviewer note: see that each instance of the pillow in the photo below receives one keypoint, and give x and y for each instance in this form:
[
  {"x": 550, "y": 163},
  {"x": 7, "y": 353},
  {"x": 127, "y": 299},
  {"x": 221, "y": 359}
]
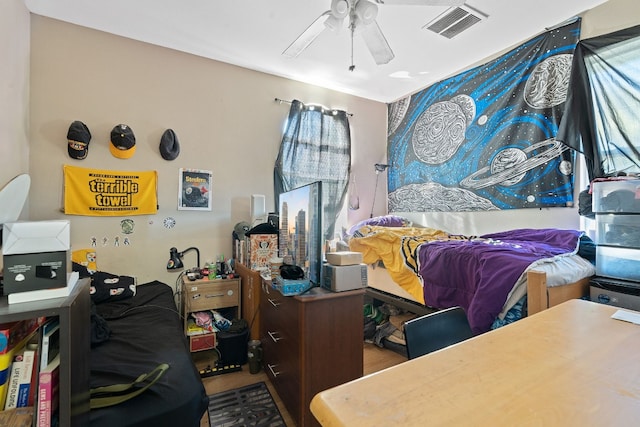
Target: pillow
[
  {"x": 111, "y": 287},
  {"x": 382, "y": 221},
  {"x": 86, "y": 258}
]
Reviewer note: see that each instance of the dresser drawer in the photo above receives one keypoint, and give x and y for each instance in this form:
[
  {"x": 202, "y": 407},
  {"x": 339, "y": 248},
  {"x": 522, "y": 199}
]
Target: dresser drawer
[
  {"x": 210, "y": 295},
  {"x": 282, "y": 311}
]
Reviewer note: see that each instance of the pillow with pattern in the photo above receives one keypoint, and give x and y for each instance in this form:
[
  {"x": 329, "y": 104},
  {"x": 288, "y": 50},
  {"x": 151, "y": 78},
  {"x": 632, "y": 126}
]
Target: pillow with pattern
[
  {"x": 111, "y": 287},
  {"x": 382, "y": 221}
]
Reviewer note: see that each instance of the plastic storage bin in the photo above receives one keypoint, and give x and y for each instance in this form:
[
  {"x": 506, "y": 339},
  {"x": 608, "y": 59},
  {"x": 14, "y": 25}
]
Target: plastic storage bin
[
  {"x": 620, "y": 263},
  {"x": 618, "y": 230},
  {"x": 616, "y": 196},
  {"x": 291, "y": 287}
]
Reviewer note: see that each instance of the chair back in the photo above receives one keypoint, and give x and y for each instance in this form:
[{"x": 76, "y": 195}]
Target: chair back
[{"x": 437, "y": 330}]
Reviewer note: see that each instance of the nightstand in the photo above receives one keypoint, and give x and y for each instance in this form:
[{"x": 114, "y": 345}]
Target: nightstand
[{"x": 204, "y": 295}]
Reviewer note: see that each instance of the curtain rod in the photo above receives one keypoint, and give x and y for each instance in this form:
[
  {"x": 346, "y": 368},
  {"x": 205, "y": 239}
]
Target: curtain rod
[{"x": 280, "y": 101}]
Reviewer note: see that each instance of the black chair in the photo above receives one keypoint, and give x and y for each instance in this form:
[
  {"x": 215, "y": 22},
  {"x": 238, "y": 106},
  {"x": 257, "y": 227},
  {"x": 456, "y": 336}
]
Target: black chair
[{"x": 437, "y": 330}]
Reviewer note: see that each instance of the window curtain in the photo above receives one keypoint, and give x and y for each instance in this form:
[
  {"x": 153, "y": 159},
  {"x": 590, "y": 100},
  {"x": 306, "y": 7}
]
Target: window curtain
[
  {"x": 600, "y": 118},
  {"x": 316, "y": 146}
]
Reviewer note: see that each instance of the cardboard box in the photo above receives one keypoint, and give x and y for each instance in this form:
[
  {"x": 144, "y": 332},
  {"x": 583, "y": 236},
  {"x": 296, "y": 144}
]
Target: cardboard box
[
  {"x": 260, "y": 249},
  {"x": 35, "y": 271},
  {"x": 36, "y": 236},
  {"x": 344, "y": 258},
  {"x": 202, "y": 342},
  {"x": 36, "y": 255},
  {"x": 344, "y": 277}
]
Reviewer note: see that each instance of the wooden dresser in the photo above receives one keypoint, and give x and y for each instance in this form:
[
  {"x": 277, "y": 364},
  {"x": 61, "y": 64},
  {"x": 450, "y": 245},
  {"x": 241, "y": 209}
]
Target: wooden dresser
[{"x": 310, "y": 343}]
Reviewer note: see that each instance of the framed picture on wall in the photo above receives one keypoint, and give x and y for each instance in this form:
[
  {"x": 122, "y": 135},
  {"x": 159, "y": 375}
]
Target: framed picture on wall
[{"x": 194, "y": 190}]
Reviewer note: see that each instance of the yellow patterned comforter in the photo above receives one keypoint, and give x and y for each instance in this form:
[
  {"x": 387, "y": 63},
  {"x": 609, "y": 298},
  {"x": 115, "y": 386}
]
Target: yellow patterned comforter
[{"x": 396, "y": 247}]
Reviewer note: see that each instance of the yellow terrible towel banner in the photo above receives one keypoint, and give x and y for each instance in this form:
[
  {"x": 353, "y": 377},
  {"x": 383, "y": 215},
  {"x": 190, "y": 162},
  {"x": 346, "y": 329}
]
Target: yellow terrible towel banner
[{"x": 97, "y": 192}]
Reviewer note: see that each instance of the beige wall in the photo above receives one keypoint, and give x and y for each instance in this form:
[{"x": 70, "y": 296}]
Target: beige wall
[
  {"x": 611, "y": 16},
  {"x": 225, "y": 117},
  {"x": 14, "y": 91}
]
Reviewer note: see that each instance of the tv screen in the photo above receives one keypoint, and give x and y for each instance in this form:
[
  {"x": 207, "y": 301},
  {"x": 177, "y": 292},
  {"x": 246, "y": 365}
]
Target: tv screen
[{"x": 300, "y": 240}]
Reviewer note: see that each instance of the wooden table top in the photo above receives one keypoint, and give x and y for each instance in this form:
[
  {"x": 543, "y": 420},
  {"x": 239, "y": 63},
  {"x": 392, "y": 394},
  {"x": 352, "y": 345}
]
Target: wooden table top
[{"x": 569, "y": 365}]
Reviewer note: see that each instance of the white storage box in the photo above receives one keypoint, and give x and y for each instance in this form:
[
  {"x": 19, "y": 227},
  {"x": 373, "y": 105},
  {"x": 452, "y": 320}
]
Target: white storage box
[
  {"x": 36, "y": 236},
  {"x": 36, "y": 255},
  {"x": 344, "y": 258},
  {"x": 344, "y": 277}
]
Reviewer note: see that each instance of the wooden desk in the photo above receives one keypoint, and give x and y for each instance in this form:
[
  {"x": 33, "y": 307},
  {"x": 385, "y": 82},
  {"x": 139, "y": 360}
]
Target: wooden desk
[{"x": 571, "y": 365}]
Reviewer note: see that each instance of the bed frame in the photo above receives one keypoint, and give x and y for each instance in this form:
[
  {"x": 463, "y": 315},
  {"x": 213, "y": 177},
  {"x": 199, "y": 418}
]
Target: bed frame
[{"x": 539, "y": 296}]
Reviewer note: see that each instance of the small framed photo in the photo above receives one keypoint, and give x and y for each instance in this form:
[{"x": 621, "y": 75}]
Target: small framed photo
[{"x": 194, "y": 190}]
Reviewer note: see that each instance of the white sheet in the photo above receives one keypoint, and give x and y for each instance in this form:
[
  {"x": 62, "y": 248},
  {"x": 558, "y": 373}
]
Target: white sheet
[{"x": 560, "y": 271}]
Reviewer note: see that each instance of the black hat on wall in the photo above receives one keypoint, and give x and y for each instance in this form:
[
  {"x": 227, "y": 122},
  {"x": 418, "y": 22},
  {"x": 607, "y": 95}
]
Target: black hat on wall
[
  {"x": 123, "y": 142},
  {"x": 78, "y": 138},
  {"x": 169, "y": 145}
]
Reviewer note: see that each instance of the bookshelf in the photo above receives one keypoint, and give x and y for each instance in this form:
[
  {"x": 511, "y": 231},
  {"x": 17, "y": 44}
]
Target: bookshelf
[{"x": 74, "y": 314}]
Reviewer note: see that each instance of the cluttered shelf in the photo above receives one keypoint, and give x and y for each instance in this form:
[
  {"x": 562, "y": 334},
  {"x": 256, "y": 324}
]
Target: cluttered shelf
[{"x": 71, "y": 314}]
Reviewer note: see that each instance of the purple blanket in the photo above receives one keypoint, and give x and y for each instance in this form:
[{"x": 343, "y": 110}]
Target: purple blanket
[{"x": 479, "y": 274}]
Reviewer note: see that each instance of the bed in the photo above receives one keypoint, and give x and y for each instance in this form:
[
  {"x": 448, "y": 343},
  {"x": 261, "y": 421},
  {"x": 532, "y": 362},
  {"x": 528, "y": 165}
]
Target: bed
[
  {"x": 146, "y": 331},
  {"x": 490, "y": 276}
]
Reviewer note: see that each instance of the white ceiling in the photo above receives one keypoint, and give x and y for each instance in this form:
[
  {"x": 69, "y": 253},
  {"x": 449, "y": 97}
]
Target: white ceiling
[{"x": 253, "y": 34}]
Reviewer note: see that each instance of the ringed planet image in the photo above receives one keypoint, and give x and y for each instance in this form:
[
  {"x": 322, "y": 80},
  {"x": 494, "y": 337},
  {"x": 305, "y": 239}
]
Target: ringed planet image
[{"x": 511, "y": 164}]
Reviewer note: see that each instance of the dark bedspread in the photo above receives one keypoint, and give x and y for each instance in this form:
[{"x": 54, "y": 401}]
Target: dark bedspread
[
  {"x": 486, "y": 268},
  {"x": 146, "y": 330}
]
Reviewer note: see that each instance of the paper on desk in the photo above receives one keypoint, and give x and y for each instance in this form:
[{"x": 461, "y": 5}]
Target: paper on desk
[{"x": 626, "y": 316}]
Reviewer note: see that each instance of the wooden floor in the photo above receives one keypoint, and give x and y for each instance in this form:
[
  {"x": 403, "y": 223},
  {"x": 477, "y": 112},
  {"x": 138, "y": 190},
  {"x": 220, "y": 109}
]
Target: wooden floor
[{"x": 374, "y": 358}]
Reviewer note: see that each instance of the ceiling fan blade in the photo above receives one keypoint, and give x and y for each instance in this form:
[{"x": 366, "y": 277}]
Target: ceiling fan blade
[
  {"x": 377, "y": 43},
  {"x": 421, "y": 2},
  {"x": 307, "y": 37}
]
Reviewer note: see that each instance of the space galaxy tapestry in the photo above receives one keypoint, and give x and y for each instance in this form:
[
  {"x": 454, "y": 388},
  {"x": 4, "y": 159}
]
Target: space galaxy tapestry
[{"x": 485, "y": 139}]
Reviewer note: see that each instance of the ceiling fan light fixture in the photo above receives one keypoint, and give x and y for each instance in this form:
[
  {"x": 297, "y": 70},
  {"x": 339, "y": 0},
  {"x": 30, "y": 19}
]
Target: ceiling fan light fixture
[
  {"x": 339, "y": 8},
  {"x": 365, "y": 12}
]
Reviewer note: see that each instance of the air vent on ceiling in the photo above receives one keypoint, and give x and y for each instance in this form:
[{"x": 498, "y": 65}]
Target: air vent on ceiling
[{"x": 455, "y": 20}]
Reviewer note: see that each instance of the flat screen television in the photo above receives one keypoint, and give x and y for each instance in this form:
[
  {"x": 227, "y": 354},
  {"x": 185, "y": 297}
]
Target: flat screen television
[{"x": 300, "y": 240}]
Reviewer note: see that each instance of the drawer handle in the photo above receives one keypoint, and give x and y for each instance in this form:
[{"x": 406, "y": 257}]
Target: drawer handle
[
  {"x": 273, "y": 302},
  {"x": 273, "y": 371},
  {"x": 213, "y": 295},
  {"x": 273, "y": 336}
]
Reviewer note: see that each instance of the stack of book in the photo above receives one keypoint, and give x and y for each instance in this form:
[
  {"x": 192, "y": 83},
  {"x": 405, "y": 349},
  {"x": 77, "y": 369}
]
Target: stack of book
[{"x": 29, "y": 367}]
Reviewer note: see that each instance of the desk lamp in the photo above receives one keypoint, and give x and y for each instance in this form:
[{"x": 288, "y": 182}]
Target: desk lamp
[
  {"x": 379, "y": 168},
  {"x": 175, "y": 258}
]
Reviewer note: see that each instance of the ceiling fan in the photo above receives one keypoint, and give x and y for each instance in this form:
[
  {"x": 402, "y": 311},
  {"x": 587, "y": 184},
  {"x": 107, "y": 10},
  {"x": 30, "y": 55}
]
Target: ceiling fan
[{"x": 360, "y": 16}]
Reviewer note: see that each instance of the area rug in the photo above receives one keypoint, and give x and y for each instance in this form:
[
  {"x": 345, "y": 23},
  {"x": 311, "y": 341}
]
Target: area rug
[{"x": 251, "y": 405}]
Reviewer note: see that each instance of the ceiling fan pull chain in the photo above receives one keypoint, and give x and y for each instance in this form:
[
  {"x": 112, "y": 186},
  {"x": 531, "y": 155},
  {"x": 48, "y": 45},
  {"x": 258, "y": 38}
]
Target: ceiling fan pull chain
[{"x": 352, "y": 66}]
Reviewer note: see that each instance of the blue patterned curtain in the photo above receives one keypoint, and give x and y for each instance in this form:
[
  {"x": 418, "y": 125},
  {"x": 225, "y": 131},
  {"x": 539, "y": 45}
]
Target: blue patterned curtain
[
  {"x": 316, "y": 146},
  {"x": 485, "y": 139}
]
